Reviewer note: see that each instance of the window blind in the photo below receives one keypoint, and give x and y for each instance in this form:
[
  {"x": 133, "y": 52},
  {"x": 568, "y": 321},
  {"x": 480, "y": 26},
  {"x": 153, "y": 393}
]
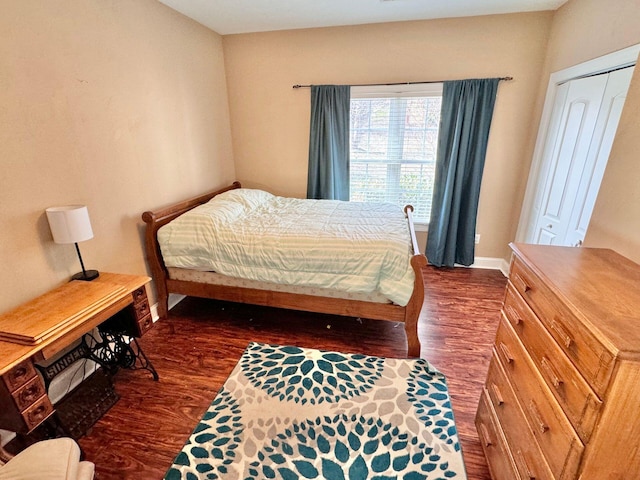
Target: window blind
[{"x": 393, "y": 143}]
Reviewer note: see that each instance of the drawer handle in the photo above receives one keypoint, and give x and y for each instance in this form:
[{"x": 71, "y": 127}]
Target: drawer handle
[
  {"x": 485, "y": 435},
  {"x": 19, "y": 372},
  {"x": 29, "y": 394},
  {"x": 512, "y": 313},
  {"x": 497, "y": 394},
  {"x": 505, "y": 351},
  {"x": 535, "y": 413},
  {"x": 566, "y": 340},
  {"x": 525, "y": 285},
  {"x": 37, "y": 414},
  {"x": 520, "y": 458},
  {"x": 551, "y": 372}
]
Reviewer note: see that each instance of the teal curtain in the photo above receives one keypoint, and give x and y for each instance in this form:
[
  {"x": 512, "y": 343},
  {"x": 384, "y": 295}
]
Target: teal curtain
[
  {"x": 328, "y": 176},
  {"x": 465, "y": 120}
]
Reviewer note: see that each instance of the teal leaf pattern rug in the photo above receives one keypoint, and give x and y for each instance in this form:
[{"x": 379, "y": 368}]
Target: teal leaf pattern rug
[{"x": 291, "y": 413}]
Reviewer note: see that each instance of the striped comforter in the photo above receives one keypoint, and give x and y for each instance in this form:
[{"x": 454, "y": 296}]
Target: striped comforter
[{"x": 349, "y": 246}]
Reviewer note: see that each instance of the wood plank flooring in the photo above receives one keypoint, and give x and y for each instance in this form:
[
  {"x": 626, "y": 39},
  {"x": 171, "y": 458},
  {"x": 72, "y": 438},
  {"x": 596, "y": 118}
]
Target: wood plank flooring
[{"x": 196, "y": 348}]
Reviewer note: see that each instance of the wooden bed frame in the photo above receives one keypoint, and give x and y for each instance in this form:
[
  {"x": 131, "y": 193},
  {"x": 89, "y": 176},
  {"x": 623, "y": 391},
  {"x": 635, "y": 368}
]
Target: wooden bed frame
[{"x": 352, "y": 308}]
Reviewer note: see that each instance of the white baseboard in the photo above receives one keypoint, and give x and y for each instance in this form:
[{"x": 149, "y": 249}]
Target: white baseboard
[
  {"x": 154, "y": 312},
  {"x": 174, "y": 299},
  {"x": 491, "y": 263}
]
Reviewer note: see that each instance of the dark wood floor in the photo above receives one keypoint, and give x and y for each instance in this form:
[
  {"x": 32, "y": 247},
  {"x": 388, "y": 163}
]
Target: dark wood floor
[{"x": 199, "y": 344}]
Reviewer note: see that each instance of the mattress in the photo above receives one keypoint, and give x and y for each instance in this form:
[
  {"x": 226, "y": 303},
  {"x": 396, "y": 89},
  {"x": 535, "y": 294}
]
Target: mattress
[
  {"x": 353, "y": 247},
  {"x": 213, "y": 278}
]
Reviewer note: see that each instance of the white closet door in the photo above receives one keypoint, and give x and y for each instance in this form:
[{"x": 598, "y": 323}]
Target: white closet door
[
  {"x": 584, "y": 120},
  {"x": 605, "y": 131}
]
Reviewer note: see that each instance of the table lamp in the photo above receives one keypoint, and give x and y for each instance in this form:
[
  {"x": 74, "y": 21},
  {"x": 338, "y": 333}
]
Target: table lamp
[{"x": 71, "y": 224}]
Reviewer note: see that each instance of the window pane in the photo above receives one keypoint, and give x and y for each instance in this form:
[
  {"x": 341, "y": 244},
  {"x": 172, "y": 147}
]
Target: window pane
[{"x": 393, "y": 149}]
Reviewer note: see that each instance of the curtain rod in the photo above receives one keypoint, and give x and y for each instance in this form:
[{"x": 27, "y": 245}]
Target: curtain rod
[{"x": 506, "y": 79}]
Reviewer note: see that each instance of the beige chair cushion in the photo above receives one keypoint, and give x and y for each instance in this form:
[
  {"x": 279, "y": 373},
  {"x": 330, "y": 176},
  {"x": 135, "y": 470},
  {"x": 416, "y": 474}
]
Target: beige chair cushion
[
  {"x": 57, "y": 459},
  {"x": 86, "y": 471}
]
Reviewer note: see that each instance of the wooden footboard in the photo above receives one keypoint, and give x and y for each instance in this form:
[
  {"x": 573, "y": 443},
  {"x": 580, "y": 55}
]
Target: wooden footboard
[{"x": 311, "y": 303}]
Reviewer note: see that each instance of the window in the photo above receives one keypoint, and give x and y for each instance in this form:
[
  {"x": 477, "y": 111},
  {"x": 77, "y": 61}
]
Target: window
[{"x": 394, "y": 136}]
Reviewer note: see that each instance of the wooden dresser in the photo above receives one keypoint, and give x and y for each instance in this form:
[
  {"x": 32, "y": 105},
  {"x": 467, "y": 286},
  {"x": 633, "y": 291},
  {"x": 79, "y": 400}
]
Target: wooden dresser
[{"x": 562, "y": 396}]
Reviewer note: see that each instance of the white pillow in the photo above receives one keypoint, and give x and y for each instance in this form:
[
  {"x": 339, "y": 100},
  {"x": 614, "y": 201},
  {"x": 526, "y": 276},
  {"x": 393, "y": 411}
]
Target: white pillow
[{"x": 248, "y": 197}]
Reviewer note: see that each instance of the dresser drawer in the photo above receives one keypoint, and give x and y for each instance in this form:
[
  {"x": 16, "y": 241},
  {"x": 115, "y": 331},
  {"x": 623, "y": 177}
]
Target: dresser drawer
[
  {"x": 594, "y": 361},
  {"x": 558, "y": 441},
  {"x": 493, "y": 441},
  {"x": 525, "y": 451},
  {"x": 579, "y": 402}
]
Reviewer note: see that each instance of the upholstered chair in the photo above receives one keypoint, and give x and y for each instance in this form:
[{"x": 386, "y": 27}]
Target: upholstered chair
[{"x": 57, "y": 459}]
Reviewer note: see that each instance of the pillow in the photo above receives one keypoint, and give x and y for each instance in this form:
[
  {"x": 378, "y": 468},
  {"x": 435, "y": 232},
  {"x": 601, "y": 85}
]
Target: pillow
[
  {"x": 223, "y": 210},
  {"x": 248, "y": 197}
]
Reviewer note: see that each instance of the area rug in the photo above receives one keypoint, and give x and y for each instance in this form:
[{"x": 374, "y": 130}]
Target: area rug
[{"x": 296, "y": 413}]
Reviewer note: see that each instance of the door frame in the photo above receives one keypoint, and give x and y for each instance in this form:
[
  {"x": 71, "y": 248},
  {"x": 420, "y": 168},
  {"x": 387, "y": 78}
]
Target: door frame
[{"x": 626, "y": 57}]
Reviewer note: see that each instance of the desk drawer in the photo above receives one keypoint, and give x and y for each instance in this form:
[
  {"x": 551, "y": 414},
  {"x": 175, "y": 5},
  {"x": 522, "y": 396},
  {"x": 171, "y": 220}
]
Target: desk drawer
[
  {"x": 594, "y": 361},
  {"x": 554, "y": 433},
  {"x": 570, "y": 389},
  {"x": 141, "y": 309},
  {"x": 37, "y": 413},
  {"x": 528, "y": 458},
  {"x": 29, "y": 393},
  {"x": 19, "y": 375},
  {"x": 140, "y": 294},
  {"x": 144, "y": 325}
]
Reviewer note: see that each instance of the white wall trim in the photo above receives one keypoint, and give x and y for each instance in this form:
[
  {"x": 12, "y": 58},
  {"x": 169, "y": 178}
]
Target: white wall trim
[
  {"x": 154, "y": 312},
  {"x": 174, "y": 299},
  {"x": 490, "y": 263},
  {"x": 620, "y": 59}
]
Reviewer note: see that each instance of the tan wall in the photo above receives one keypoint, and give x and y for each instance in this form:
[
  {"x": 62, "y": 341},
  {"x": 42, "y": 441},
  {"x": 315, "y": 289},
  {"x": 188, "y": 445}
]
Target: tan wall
[
  {"x": 120, "y": 105},
  {"x": 270, "y": 120},
  {"x": 586, "y": 29}
]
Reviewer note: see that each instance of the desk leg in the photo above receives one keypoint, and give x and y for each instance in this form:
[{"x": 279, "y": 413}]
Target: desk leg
[
  {"x": 142, "y": 359},
  {"x": 118, "y": 350}
]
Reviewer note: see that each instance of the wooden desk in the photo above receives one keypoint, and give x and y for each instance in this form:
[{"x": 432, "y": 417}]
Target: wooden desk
[{"x": 48, "y": 324}]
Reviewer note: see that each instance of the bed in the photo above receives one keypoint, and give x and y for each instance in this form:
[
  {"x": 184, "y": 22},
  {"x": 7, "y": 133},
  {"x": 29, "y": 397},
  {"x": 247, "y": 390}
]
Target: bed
[{"x": 399, "y": 298}]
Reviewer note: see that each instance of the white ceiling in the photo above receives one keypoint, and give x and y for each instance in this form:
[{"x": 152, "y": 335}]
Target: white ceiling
[{"x": 244, "y": 16}]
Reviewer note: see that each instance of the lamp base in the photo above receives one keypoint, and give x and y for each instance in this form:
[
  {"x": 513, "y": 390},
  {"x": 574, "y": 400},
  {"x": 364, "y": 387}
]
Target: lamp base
[{"x": 90, "y": 275}]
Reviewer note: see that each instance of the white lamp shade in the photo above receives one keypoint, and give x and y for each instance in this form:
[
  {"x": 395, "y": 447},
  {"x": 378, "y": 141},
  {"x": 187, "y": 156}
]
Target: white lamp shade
[{"x": 69, "y": 224}]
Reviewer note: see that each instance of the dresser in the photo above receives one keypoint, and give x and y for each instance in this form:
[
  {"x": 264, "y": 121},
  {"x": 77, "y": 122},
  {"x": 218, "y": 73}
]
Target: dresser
[{"x": 562, "y": 394}]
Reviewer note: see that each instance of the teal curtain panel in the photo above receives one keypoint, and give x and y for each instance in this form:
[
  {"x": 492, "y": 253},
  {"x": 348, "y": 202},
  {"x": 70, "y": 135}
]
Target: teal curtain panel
[
  {"x": 328, "y": 176},
  {"x": 467, "y": 109}
]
